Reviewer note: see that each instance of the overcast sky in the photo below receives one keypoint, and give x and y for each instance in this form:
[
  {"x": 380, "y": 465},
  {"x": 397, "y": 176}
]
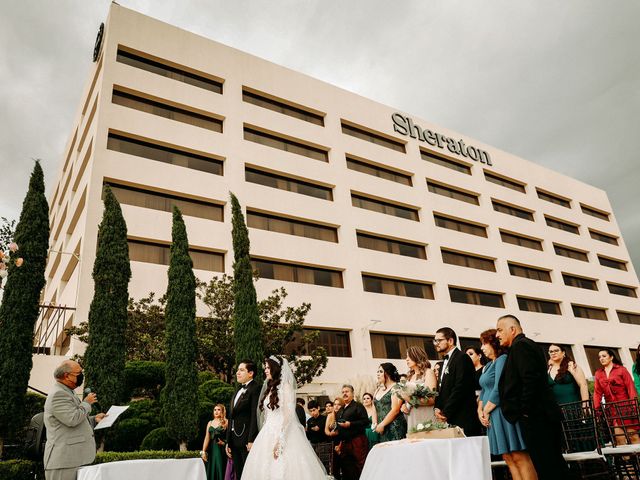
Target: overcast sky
[{"x": 554, "y": 82}]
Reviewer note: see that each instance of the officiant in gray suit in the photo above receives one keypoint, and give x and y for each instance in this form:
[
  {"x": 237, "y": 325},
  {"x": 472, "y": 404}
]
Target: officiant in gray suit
[{"x": 70, "y": 443}]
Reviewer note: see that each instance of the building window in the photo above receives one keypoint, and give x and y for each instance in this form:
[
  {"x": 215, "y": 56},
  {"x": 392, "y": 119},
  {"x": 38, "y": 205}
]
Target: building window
[
  {"x": 570, "y": 252},
  {"x": 467, "y": 260},
  {"x": 445, "y": 162},
  {"x": 162, "y": 67},
  {"x": 553, "y": 198},
  {"x": 389, "y": 346},
  {"x": 476, "y": 297},
  {"x": 376, "y": 138},
  {"x": 300, "y": 228},
  {"x": 151, "y": 252},
  {"x": 532, "y": 273},
  {"x": 612, "y": 263},
  {"x": 594, "y": 313},
  {"x": 161, "y": 109},
  {"x": 594, "y": 212},
  {"x": 381, "y": 206},
  {"x": 378, "y": 171},
  {"x": 505, "y": 182},
  {"x": 580, "y": 282},
  {"x": 538, "y": 305},
  {"x": 521, "y": 240},
  {"x": 292, "y": 146},
  {"x": 280, "y": 106},
  {"x": 398, "y": 247},
  {"x": 592, "y": 356},
  {"x": 335, "y": 342},
  {"x": 159, "y": 153},
  {"x": 140, "y": 197},
  {"x": 402, "y": 288},
  {"x": 447, "y": 191},
  {"x": 511, "y": 210},
  {"x": 624, "y": 290},
  {"x": 290, "y": 272},
  {"x": 460, "y": 225},
  {"x": 628, "y": 317},
  {"x": 562, "y": 225},
  {"x": 603, "y": 237},
  {"x": 283, "y": 182}
]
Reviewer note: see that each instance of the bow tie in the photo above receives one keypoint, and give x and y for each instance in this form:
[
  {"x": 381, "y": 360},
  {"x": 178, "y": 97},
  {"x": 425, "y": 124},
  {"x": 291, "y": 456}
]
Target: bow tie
[
  {"x": 244, "y": 385},
  {"x": 446, "y": 357}
]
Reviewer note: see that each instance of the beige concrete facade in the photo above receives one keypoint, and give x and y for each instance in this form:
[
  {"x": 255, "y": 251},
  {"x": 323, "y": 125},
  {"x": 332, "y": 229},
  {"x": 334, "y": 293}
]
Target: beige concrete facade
[{"x": 76, "y": 206}]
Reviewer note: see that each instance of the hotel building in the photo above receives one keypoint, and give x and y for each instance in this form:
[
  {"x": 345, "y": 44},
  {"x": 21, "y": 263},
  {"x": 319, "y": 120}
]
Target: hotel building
[{"x": 389, "y": 225}]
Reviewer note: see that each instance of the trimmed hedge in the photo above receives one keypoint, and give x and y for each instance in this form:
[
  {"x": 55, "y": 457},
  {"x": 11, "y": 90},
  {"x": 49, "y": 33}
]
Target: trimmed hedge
[
  {"x": 143, "y": 378},
  {"x": 21, "y": 470},
  {"x": 206, "y": 376},
  {"x": 106, "y": 457},
  {"x": 158, "y": 439},
  {"x": 215, "y": 391}
]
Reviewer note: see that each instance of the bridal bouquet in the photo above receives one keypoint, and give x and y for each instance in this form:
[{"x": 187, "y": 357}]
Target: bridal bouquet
[{"x": 414, "y": 393}]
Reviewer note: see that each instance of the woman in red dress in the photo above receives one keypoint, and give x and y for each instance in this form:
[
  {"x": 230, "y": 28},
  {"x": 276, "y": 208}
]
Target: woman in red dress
[{"x": 614, "y": 383}]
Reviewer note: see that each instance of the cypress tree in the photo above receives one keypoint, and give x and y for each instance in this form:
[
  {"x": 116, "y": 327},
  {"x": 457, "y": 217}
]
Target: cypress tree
[
  {"x": 246, "y": 318},
  {"x": 20, "y": 305},
  {"x": 104, "y": 359},
  {"x": 181, "y": 391}
]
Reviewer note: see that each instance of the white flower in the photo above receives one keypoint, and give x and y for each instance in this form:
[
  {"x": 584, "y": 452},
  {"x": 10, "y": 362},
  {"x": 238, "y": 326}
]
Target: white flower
[
  {"x": 3, "y": 273},
  {"x": 419, "y": 427}
]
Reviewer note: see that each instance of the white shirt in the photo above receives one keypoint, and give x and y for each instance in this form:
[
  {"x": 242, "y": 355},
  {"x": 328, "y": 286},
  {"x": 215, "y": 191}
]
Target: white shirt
[
  {"x": 240, "y": 392},
  {"x": 446, "y": 363}
]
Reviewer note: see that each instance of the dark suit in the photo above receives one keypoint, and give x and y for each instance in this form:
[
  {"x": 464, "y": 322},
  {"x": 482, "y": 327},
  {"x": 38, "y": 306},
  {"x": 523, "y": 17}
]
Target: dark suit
[
  {"x": 457, "y": 395},
  {"x": 243, "y": 424},
  {"x": 526, "y": 398}
]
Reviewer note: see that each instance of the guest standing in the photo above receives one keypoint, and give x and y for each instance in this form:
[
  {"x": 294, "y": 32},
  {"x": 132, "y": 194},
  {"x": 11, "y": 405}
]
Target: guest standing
[
  {"x": 213, "y": 448},
  {"x": 456, "y": 402},
  {"x": 526, "y": 399},
  {"x": 420, "y": 372},
  {"x": 352, "y": 421},
  {"x": 331, "y": 431},
  {"x": 372, "y": 436},
  {"x": 566, "y": 379},
  {"x": 504, "y": 438},
  {"x": 636, "y": 371},
  {"x": 613, "y": 383},
  {"x": 475, "y": 354},
  {"x": 391, "y": 422},
  {"x": 315, "y": 424}
]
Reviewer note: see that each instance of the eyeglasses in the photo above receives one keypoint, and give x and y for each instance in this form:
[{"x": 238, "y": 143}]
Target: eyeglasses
[{"x": 436, "y": 341}]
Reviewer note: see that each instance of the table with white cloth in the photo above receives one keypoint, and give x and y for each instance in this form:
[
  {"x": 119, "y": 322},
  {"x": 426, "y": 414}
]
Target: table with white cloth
[
  {"x": 451, "y": 458},
  {"x": 172, "y": 469}
]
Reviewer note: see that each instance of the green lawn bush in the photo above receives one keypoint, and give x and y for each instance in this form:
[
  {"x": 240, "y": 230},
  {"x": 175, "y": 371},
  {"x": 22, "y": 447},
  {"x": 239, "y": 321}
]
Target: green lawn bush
[
  {"x": 106, "y": 457},
  {"x": 144, "y": 378},
  {"x": 206, "y": 376},
  {"x": 128, "y": 435},
  {"x": 21, "y": 470},
  {"x": 158, "y": 439},
  {"x": 215, "y": 391}
]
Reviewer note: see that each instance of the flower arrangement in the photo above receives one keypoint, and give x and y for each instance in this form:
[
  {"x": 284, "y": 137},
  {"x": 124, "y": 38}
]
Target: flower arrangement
[
  {"x": 429, "y": 426},
  {"x": 414, "y": 393},
  {"x": 6, "y": 259}
]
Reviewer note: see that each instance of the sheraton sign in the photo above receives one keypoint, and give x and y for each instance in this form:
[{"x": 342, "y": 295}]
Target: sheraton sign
[{"x": 405, "y": 126}]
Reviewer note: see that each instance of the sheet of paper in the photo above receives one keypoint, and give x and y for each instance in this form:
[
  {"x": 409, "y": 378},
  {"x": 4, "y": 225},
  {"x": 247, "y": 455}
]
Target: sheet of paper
[{"x": 112, "y": 415}]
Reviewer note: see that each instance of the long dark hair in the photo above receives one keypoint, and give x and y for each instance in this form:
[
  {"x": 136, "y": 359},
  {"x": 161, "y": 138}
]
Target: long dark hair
[
  {"x": 390, "y": 371},
  {"x": 637, "y": 364},
  {"x": 271, "y": 391},
  {"x": 564, "y": 364},
  {"x": 611, "y": 353}
]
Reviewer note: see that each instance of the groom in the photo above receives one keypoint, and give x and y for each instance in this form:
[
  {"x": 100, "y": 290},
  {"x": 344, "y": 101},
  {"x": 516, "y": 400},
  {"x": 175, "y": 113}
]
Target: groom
[{"x": 243, "y": 416}]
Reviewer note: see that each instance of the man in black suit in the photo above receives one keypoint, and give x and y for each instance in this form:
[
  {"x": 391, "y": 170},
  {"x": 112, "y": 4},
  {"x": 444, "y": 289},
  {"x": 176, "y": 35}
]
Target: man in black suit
[
  {"x": 243, "y": 416},
  {"x": 456, "y": 400},
  {"x": 525, "y": 397}
]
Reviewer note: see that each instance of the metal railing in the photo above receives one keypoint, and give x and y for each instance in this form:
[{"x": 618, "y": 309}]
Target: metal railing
[{"x": 49, "y": 336}]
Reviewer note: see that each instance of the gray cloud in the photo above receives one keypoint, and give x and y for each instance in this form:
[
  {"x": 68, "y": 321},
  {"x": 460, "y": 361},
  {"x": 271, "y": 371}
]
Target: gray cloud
[{"x": 553, "y": 82}]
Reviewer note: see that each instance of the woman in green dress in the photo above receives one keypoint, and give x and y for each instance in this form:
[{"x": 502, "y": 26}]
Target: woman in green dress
[
  {"x": 391, "y": 422},
  {"x": 372, "y": 435},
  {"x": 213, "y": 447},
  {"x": 566, "y": 379}
]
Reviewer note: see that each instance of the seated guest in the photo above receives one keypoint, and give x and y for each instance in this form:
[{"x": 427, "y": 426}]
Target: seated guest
[
  {"x": 391, "y": 422},
  {"x": 370, "y": 432},
  {"x": 504, "y": 438},
  {"x": 566, "y": 379},
  {"x": 315, "y": 424}
]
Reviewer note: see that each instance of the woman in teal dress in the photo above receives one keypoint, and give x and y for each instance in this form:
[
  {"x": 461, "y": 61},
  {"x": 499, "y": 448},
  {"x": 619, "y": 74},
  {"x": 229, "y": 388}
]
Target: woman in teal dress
[
  {"x": 504, "y": 438},
  {"x": 392, "y": 424},
  {"x": 566, "y": 379},
  {"x": 213, "y": 447},
  {"x": 635, "y": 370},
  {"x": 370, "y": 432}
]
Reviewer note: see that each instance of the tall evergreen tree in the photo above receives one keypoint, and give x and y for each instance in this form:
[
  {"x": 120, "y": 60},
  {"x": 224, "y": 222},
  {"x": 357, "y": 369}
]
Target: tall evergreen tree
[
  {"x": 20, "y": 304},
  {"x": 104, "y": 359},
  {"x": 246, "y": 317},
  {"x": 181, "y": 391}
]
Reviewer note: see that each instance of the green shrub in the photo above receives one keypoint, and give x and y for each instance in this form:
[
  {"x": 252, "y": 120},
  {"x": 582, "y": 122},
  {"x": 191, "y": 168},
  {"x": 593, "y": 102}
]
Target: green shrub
[
  {"x": 33, "y": 404},
  {"x": 144, "y": 378},
  {"x": 215, "y": 391},
  {"x": 158, "y": 439},
  {"x": 145, "y": 409},
  {"x": 21, "y": 470},
  {"x": 127, "y": 435},
  {"x": 106, "y": 457},
  {"x": 206, "y": 376}
]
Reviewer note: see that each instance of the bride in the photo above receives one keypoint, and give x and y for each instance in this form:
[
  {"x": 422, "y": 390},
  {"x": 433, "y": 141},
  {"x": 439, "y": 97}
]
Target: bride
[{"x": 281, "y": 450}]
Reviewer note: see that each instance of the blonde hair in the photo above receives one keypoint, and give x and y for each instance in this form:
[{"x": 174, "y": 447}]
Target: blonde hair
[
  {"x": 419, "y": 356},
  {"x": 224, "y": 414}
]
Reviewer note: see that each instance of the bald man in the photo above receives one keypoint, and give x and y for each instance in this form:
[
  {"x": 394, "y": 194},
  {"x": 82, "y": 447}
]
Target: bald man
[
  {"x": 527, "y": 399},
  {"x": 70, "y": 443}
]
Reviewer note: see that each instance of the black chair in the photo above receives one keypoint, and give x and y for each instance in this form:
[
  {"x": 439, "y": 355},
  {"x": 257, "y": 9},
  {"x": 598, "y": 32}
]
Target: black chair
[
  {"x": 622, "y": 422},
  {"x": 582, "y": 441}
]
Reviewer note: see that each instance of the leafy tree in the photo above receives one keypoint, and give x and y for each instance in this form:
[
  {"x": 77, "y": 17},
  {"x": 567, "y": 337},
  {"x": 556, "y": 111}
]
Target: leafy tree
[
  {"x": 247, "y": 328},
  {"x": 181, "y": 390},
  {"x": 145, "y": 329},
  {"x": 7, "y": 231},
  {"x": 20, "y": 304},
  {"x": 104, "y": 359}
]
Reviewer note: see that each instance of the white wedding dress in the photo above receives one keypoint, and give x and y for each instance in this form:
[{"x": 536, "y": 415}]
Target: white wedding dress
[{"x": 283, "y": 431}]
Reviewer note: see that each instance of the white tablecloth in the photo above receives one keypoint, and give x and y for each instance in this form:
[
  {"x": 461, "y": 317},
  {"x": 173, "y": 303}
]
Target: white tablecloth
[
  {"x": 454, "y": 459},
  {"x": 183, "y": 469}
]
